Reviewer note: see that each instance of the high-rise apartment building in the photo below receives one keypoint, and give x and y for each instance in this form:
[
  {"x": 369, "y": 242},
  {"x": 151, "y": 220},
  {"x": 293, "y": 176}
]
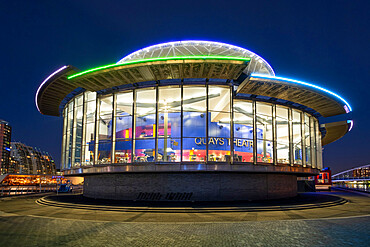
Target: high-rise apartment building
[
  {"x": 29, "y": 160},
  {"x": 5, "y": 138}
]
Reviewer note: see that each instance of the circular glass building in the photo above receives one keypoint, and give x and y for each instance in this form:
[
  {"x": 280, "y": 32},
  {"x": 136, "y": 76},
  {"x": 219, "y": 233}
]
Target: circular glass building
[{"x": 190, "y": 120}]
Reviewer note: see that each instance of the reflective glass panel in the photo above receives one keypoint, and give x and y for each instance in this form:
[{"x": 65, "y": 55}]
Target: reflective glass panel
[
  {"x": 145, "y": 111},
  {"x": 88, "y": 158},
  {"x": 194, "y": 99},
  {"x": 194, "y": 149},
  {"x": 219, "y": 149},
  {"x": 313, "y": 141},
  {"x": 243, "y": 119},
  {"x": 243, "y": 150},
  {"x": 194, "y": 113},
  {"x": 90, "y": 96},
  {"x": 90, "y": 111},
  {"x": 104, "y": 152},
  {"x": 169, "y": 150},
  {"x": 78, "y": 135},
  {"x": 124, "y": 102},
  {"x": 307, "y": 139},
  {"x": 124, "y": 127},
  {"x": 105, "y": 127},
  {"x": 319, "y": 148},
  {"x": 123, "y": 151},
  {"x": 218, "y": 98},
  {"x": 297, "y": 137},
  {"x": 144, "y": 150},
  {"x": 282, "y": 135},
  {"x": 264, "y": 133}
]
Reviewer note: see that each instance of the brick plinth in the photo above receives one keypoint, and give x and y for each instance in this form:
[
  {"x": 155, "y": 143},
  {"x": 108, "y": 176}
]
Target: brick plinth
[{"x": 190, "y": 186}]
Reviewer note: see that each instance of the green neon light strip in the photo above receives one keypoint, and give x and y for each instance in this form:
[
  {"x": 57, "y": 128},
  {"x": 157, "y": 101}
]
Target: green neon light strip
[{"x": 245, "y": 59}]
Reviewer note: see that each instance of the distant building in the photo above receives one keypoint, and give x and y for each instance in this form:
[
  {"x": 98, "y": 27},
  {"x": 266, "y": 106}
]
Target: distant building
[
  {"x": 29, "y": 160},
  {"x": 355, "y": 178},
  {"x": 5, "y": 138}
]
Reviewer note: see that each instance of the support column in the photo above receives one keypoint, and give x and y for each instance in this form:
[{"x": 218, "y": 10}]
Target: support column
[
  {"x": 97, "y": 120},
  {"x": 133, "y": 126},
  {"x": 113, "y": 149},
  {"x": 290, "y": 126},
  {"x": 254, "y": 132},
  {"x": 303, "y": 142}
]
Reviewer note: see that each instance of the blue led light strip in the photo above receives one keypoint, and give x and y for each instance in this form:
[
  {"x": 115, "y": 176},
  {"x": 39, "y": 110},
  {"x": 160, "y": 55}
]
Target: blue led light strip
[{"x": 347, "y": 106}]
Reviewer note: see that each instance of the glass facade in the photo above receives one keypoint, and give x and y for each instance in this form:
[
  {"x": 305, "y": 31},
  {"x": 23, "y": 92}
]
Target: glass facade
[{"x": 186, "y": 123}]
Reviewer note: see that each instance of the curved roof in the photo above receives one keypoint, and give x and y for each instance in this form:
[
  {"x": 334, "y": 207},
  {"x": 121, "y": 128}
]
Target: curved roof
[
  {"x": 194, "y": 59},
  {"x": 336, "y": 130},
  {"x": 325, "y": 102},
  {"x": 53, "y": 90},
  {"x": 66, "y": 79},
  {"x": 201, "y": 48}
]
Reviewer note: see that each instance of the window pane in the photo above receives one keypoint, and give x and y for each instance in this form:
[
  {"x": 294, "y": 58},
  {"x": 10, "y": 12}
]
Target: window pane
[
  {"x": 282, "y": 135},
  {"x": 105, "y": 127},
  {"x": 123, "y": 127},
  {"x": 169, "y": 150},
  {"x": 90, "y": 96},
  {"x": 145, "y": 113},
  {"x": 106, "y": 105},
  {"x": 144, "y": 150},
  {"x": 78, "y": 135},
  {"x": 88, "y": 158},
  {"x": 90, "y": 111},
  {"x": 123, "y": 151},
  {"x": 319, "y": 148},
  {"x": 169, "y": 100},
  {"x": 218, "y": 98},
  {"x": 219, "y": 149},
  {"x": 243, "y": 150},
  {"x": 194, "y": 124},
  {"x": 90, "y": 134},
  {"x": 219, "y": 124},
  {"x": 313, "y": 141},
  {"x": 243, "y": 119},
  {"x": 79, "y": 100},
  {"x": 169, "y": 124},
  {"x": 297, "y": 137},
  {"x": 69, "y": 136},
  {"x": 194, "y": 149},
  {"x": 104, "y": 152},
  {"x": 194, "y": 99},
  {"x": 307, "y": 139},
  {"x": 124, "y": 102},
  {"x": 264, "y": 133}
]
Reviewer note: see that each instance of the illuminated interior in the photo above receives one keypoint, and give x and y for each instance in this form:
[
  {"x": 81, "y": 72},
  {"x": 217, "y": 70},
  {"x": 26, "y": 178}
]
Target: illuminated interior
[{"x": 185, "y": 123}]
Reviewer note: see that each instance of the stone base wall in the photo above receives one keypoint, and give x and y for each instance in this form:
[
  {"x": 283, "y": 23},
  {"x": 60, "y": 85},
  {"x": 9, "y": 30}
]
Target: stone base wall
[{"x": 190, "y": 186}]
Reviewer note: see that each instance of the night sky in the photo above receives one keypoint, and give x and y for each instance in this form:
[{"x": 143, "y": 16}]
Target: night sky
[{"x": 322, "y": 42}]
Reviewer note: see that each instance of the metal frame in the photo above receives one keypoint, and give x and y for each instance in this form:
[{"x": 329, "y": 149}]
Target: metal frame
[
  {"x": 254, "y": 106},
  {"x": 303, "y": 141},
  {"x": 65, "y": 146},
  {"x": 290, "y": 126},
  {"x": 207, "y": 120},
  {"x": 83, "y": 128},
  {"x": 114, "y": 112},
  {"x": 133, "y": 129}
]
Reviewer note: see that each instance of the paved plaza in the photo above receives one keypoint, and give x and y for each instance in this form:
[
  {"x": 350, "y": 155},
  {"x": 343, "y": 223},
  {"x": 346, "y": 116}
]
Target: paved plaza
[{"x": 25, "y": 223}]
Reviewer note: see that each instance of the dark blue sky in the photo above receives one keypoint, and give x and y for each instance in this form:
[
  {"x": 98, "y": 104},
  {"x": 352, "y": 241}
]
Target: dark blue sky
[{"x": 323, "y": 42}]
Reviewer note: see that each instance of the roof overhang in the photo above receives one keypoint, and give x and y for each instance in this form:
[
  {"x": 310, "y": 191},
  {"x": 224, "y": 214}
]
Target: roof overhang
[
  {"x": 54, "y": 89},
  {"x": 319, "y": 99},
  {"x": 336, "y": 130},
  {"x": 65, "y": 80}
]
